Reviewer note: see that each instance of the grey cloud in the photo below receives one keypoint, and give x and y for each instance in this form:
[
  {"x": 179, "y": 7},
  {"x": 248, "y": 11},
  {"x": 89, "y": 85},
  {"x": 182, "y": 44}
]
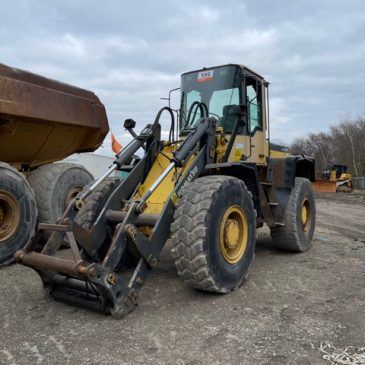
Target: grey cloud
[{"x": 131, "y": 53}]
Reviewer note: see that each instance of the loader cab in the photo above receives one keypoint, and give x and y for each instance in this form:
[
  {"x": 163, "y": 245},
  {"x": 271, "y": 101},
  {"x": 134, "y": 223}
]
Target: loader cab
[{"x": 216, "y": 92}]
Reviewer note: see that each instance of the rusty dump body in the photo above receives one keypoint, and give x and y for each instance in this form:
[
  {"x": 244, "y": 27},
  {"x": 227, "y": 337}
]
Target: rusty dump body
[{"x": 43, "y": 120}]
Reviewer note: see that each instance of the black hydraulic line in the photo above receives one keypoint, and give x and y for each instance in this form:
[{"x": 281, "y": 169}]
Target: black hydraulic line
[
  {"x": 197, "y": 105},
  {"x": 124, "y": 156},
  {"x": 133, "y": 146},
  {"x": 172, "y": 127},
  {"x": 185, "y": 150},
  {"x": 179, "y": 159},
  {"x": 231, "y": 140}
]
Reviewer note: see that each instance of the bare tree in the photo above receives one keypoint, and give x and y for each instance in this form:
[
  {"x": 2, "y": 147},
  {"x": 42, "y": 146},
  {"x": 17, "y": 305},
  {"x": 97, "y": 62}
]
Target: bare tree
[{"x": 344, "y": 144}]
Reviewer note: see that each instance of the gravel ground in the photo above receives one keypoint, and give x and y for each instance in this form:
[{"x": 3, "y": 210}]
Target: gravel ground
[{"x": 288, "y": 307}]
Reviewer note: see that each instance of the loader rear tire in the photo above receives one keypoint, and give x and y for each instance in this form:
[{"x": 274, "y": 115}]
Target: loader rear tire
[
  {"x": 214, "y": 233},
  {"x": 55, "y": 185},
  {"x": 18, "y": 212},
  {"x": 299, "y": 219}
]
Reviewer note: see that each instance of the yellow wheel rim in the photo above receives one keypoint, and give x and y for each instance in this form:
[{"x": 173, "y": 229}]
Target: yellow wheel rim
[
  {"x": 9, "y": 215},
  {"x": 233, "y": 234},
  {"x": 306, "y": 215}
]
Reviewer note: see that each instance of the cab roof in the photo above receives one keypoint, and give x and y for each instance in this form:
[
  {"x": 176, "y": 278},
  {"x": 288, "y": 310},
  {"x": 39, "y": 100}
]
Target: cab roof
[{"x": 228, "y": 64}]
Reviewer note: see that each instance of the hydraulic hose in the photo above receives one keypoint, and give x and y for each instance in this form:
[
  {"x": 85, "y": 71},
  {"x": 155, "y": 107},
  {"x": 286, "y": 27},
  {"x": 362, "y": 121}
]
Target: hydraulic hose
[
  {"x": 172, "y": 127},
  {"x": 197, "y": 105}
]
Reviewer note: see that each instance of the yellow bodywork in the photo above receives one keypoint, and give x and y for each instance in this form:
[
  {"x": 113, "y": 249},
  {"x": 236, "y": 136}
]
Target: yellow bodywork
[
  {"x": 157, "y": 200},
  {"x": 274, "y": 153},
  {"x": 256, "y": 153},
  {"x": 159, "y": 197},
  {"x": 240, "y": 149}
]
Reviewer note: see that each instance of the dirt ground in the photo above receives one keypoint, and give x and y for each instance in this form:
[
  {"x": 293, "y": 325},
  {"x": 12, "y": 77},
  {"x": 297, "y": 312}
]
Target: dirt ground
[{"x": 288, "y": 307}]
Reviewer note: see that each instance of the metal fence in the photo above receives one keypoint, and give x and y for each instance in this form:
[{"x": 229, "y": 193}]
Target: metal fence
[{"x": 359, "y": 182}]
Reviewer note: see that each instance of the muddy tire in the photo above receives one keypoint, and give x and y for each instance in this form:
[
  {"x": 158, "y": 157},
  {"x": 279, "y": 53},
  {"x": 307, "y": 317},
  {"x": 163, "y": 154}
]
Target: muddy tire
[
  {"x": 86, "y": 217},
  {"x": 55, "y": 185},
  {"x": 299, "y": 219},
  {"x": 18, "y": 212},
  {"x": 214, "y": 234}
]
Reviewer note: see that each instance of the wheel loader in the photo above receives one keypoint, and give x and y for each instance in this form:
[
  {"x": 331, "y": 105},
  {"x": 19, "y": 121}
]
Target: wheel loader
[{"x": 205, "y": 190}]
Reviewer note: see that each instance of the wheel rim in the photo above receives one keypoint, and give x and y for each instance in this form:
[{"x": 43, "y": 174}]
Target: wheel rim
[
  {"x": 233, "y": 234},
  {"x": 9, "y": 215},
  {"x": 306, "y": 215},
  {"x": 71, "y": 194}
]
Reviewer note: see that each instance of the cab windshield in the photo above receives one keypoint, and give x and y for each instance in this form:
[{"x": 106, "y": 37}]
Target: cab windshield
[{"x": 217, "y": 89}]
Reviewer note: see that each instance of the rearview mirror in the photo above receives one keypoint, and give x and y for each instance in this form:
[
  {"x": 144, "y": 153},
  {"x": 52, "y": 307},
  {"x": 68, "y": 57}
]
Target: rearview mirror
[{"x": 129, "y": 124}]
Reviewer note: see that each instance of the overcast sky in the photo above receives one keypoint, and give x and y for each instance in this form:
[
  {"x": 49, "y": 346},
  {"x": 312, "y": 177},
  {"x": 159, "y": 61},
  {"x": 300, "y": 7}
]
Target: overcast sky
[{"x": 131, "y": 53}]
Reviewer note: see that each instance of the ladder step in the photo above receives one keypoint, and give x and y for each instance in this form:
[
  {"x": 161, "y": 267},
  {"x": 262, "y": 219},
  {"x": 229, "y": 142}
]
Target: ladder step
[
  {"x": 273, "y": 204},
  {"x": 279, "y": 224},
  {"x": 265, "y": 183}
]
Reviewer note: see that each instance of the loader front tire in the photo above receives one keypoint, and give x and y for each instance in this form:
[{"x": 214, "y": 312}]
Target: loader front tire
[
  {"x": 18, "y": 212},
  {"x": 299, "y": 219},
  {"x": 87, "y": 216},
  {"x": 214, "y": 233}
]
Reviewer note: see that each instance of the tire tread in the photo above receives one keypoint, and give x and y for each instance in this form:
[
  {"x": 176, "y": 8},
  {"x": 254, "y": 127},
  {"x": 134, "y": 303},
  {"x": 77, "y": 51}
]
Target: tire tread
[{"x": 188, "y": 232}]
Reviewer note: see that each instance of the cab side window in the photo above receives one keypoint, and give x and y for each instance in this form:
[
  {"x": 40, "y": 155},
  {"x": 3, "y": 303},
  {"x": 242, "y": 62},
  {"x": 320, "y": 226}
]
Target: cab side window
[{"x": 253, "y": 109}]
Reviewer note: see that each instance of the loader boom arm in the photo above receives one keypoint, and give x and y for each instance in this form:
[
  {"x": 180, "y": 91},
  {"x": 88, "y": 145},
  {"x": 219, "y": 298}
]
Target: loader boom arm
[{"x": 69, "y": 279}]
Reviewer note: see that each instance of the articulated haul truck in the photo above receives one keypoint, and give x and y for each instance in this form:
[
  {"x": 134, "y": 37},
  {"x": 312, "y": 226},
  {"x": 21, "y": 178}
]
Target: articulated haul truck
[{"x": 41, "y": 121}]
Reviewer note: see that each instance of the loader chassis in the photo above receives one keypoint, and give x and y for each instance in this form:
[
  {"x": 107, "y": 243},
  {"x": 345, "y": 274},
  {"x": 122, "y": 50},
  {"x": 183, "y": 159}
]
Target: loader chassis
[{"x": 206, "y": 189}]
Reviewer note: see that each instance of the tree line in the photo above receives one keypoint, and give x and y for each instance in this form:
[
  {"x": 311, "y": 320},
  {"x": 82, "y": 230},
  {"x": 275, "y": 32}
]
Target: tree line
[{"x": 343, "y": 144}]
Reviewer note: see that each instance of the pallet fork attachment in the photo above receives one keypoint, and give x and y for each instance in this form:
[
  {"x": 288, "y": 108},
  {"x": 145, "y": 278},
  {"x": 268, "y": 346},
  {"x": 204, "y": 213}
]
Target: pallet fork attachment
[{"x": 99, "y": 285}]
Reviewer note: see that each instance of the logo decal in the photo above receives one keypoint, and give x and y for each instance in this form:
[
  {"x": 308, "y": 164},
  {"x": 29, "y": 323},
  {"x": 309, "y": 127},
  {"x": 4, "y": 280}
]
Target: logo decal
[
  {"x": 205, "y": 76},
  {"x": 190, "y": 177}
]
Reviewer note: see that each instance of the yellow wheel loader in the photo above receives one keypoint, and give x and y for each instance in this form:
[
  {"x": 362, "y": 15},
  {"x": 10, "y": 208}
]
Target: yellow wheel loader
[{"x": 206, "y": 189}]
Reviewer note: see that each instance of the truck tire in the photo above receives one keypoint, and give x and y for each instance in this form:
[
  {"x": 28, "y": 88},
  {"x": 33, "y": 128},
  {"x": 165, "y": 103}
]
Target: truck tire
[
  {"x": 86, "y": 217},
  {"x": 18, "y": 212},
  {"x": 55, "y": 185},
  {"x": 299, "y": 219},
  {"x": 214, "y": 234}
]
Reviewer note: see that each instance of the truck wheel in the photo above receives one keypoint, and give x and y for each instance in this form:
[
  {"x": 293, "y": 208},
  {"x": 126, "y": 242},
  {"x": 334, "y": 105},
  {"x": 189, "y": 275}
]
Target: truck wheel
[
  {"x": 18, "y": 212},
  {"x": 214, "y": 234},
  {"x": 86, "y": 217},
  {"x": 55, "y": 185},
  {"x": 299, "y": 219}
]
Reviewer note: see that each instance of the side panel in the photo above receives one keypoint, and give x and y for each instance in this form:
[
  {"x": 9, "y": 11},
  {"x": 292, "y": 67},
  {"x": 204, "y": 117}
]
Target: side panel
[
  {"x": 256, "y": 154},
  {"x": 283, "y": 171}
]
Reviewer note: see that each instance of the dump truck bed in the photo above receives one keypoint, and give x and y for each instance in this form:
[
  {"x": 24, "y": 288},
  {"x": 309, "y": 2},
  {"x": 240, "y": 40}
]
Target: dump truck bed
[{"x": 43, "y": 120}]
